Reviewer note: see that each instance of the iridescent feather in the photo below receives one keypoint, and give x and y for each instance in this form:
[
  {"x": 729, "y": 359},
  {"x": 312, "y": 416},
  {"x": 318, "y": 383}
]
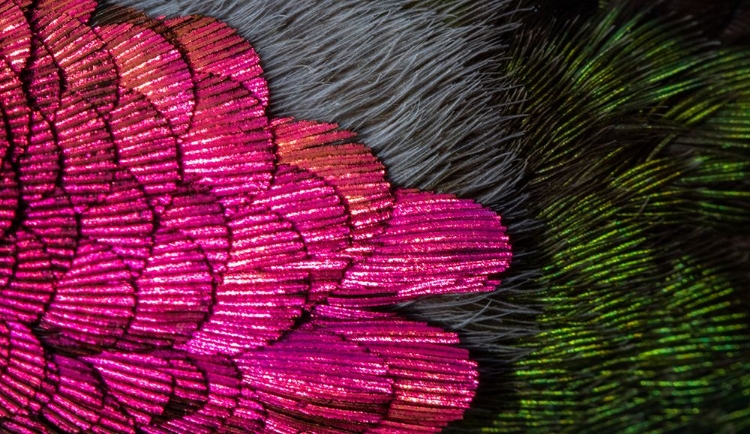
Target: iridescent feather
[{"x": 638, "y": 168}]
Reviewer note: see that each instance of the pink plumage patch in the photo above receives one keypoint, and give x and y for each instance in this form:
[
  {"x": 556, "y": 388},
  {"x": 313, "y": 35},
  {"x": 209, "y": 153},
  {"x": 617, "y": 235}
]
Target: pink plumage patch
[{"x": 174, "y": 261}]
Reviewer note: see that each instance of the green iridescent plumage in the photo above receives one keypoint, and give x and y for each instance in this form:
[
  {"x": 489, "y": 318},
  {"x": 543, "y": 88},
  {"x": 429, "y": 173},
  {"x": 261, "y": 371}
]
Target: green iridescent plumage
[{"x": 637, "y": 151}]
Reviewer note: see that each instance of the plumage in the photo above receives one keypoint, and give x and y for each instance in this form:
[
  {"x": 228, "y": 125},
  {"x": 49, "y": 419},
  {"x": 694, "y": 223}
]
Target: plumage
[
  {"x": 636, "y": 152},
  {"x": 611, "y": 135}
]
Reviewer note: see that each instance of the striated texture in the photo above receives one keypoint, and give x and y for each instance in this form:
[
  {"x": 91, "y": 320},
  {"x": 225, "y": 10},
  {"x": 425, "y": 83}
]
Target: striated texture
[
  {"x": 174, "y": 261},
  {"x": 638, "y": 167},
  {"x": 421, "y": 84},
  {"x": 629, "y": 150}
]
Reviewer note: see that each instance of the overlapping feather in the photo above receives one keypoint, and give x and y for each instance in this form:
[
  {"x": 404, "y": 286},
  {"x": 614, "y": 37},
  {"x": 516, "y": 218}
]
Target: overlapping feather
[{"x": 637, "y": 155}]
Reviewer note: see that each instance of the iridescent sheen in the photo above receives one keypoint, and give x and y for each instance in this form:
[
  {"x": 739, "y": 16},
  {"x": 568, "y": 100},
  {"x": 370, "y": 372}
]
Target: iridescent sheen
[
  {"x": 637, "y": 162},
  {"x": 173, "y": 261}
]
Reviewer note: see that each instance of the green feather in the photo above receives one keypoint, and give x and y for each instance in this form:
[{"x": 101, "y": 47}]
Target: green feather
[{"x": 637, "y": 147}]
